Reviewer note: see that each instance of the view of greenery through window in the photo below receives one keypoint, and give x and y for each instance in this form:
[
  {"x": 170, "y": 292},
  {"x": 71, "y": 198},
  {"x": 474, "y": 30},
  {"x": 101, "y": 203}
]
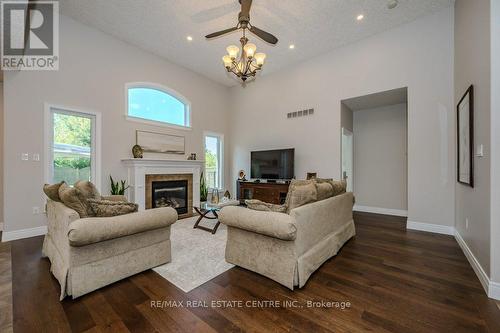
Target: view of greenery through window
[
  {"x": 72, "y": 148},
  {"x": 211, "y": 162}
]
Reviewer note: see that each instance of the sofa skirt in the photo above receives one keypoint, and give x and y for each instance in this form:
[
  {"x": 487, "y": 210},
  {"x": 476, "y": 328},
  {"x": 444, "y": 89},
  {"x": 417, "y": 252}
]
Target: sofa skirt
[
  {"x": 277, "y": 259},
  {"x": 97, "y": 265}
]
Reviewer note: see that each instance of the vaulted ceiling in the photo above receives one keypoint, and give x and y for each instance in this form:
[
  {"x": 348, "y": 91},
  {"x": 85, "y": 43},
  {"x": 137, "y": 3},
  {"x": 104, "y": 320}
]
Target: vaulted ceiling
[{"x": 313, "y": 26}]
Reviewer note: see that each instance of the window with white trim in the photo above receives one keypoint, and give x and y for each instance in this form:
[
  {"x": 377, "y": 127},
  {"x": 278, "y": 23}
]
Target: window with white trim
[
  {"x": 72, "y": 146},
  {"x": 157, "y": 104},
  {"x": 214, "y": 148}
]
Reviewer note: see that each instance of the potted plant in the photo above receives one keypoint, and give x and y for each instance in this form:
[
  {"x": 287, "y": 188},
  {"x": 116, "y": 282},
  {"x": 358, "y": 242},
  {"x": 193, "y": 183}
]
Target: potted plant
[
  {"x": 203, "y": 188},
  {"x": 118, "y": 188}
]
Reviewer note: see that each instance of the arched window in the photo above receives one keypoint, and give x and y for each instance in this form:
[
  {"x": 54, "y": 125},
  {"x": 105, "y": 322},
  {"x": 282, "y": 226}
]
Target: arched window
[{"x": 148, "y": 102}]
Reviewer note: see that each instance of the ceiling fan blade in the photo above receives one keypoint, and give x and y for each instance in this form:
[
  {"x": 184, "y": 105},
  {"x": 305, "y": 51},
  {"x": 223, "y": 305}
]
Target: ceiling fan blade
[
  {"x": 245, "y": 7},
  {"x": 264, "y": 35},
  {"x": 222, "y": 32}
]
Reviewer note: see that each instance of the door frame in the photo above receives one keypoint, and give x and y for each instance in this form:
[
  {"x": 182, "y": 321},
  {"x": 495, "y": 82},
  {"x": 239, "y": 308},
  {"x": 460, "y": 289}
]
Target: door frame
[{"x": 351, "y": 134}]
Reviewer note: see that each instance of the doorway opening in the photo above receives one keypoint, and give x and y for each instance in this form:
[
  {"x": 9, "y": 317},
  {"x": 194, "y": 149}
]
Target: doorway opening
[{"x": 374, "y": 151}]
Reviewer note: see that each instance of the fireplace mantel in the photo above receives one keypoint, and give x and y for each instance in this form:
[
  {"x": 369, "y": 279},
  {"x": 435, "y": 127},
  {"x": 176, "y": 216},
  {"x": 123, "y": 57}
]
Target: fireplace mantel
[{"x": 138, "y": 168}]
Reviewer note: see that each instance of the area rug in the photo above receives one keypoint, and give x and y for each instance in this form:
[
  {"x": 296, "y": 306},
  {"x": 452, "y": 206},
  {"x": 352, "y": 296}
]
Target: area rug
[{"x": 197, "y": 255}]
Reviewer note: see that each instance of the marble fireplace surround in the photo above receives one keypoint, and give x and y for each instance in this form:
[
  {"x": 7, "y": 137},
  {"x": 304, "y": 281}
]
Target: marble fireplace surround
[{"x": 137, "y": 169}]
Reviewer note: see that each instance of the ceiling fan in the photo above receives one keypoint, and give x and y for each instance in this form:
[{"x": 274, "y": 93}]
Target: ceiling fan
[{"x": 244, "y": 23}]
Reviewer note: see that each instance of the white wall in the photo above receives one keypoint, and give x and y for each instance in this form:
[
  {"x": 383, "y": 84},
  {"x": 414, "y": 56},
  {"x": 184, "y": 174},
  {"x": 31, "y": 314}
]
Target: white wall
[
  {"x": 472, "y": 66},
  {"x": 94, "y": 68},
  {"x": 1, "y": 155},
  {"x": 346, "y": 117},
  {"x": 380, "y": 168},
  {"x": 495, "y": 143},
  {"x": 417, "y": 55}
]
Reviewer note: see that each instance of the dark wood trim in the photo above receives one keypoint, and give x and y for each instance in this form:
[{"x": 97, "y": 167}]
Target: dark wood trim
[{"x": 469, "y": 91}]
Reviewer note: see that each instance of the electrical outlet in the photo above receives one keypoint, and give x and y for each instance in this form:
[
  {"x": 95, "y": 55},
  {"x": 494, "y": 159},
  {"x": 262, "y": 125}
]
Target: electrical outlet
[
  {"x": 36, "y": 210},
  {"x": 466, "y": 223}
]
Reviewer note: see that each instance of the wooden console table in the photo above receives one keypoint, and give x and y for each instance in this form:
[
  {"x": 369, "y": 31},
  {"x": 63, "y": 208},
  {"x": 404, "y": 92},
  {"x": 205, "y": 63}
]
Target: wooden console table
[{"x": 274, "y": 193}]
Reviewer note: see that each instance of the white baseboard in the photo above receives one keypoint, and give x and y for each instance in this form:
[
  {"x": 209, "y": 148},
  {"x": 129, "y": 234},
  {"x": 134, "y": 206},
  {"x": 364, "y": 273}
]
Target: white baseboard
[
  {"x": 435, "y": 228},
  {"x": 476, "y": 266},
  {"x": 23, "y": 233},
  {"x": 494, "y": 290},
  {"x": 378, "y": 210}
]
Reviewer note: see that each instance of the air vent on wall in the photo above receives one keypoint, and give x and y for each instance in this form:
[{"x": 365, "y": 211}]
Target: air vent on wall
[{"x": 301, "y": 113}]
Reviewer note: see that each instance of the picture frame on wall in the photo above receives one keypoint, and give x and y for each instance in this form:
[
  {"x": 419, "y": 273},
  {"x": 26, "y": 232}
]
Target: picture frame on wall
[
  {"x": 152, "y": 142},
  {"x": 465, "y": 138}
]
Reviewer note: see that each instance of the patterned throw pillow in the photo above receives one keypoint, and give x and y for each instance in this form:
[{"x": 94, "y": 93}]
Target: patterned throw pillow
[
  {"x": 264, "y": 206},
  {"x": 89, "y": 191},
  {"x": 325, "y": 190},
  {"x": 107, "y": 208},
  {"x": 52, "y": 191},
  {"x": 74, "y": 199},
  {"x": 339, "y": 186},
  {"x": 300, "y": 192}
]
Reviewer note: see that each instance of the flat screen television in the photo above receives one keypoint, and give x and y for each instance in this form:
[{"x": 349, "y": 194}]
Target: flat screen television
[{"x": 272, "y": 164}]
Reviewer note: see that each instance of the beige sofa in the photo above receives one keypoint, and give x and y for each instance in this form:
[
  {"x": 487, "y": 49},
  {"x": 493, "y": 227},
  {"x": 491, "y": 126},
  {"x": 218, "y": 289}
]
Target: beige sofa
[
  {"x": 89, "y": 253},
  {"x": 288, "y": 248}
]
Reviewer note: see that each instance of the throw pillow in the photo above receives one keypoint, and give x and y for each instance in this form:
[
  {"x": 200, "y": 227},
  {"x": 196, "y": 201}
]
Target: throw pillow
[
  {"x": 264, "y": 206},
  {"x": 88, "y": 189},
  {"x": 325, "y": 190},
  {"x": 300, "y": 192},
  {"x": 339, "y": 186},
  {"x": 74, "y": 199},
  {"x": 107, "y": 208},
  {"x": 52, "y": 191}
]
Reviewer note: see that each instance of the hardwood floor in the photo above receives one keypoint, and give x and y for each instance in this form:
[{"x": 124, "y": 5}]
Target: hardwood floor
[
  {"x": 5, "y": 288},
  {"x": 394, "y": 280}
]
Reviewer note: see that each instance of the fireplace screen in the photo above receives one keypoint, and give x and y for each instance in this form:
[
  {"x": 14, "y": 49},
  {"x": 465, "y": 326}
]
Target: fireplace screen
[{"x": 170, "y": 194}]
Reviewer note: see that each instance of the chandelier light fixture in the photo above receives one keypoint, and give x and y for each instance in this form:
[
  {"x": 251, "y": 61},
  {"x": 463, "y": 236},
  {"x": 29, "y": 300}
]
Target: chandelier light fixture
[{"x": 248, "y": 63}]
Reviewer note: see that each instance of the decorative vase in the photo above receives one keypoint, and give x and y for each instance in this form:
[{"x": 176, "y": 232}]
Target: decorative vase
[
  {"x": 137, "y": 151},
  {"x": 215, "y": 196}
]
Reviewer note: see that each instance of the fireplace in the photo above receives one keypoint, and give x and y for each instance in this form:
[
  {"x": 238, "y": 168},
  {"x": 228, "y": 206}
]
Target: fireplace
[
  {"x": 170, "y": 190},
  {"x": 173, "y": 193}
]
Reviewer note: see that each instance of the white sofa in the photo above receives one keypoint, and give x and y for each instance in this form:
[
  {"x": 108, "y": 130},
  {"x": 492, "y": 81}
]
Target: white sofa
[
  {"x": 89, "y": 253},
  {"x": 288, "y": 248}
]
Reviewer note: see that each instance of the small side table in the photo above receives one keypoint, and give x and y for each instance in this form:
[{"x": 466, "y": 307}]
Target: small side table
[{"x": 206, "y": 209}]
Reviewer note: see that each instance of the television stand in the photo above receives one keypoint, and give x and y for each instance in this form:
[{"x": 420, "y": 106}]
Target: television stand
[{"x": 271, "y": 192}]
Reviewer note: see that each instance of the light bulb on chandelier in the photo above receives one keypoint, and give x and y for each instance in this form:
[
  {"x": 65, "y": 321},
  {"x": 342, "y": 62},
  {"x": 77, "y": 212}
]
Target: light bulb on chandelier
[{"x": 248, "y": 63}]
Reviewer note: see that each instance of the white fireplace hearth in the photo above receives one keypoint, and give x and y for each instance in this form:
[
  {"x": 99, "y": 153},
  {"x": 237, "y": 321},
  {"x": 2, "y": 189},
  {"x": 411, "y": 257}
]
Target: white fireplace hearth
[{"x": 138, "y": 168}]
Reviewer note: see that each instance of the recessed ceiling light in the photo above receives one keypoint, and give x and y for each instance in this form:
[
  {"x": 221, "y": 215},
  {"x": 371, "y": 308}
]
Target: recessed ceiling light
[
  {"x": 189, "y": 38},
  {"x": 392, "y": 4},
  {"x": 360, "y": 17},
  {"x": 291, "y": 47}
]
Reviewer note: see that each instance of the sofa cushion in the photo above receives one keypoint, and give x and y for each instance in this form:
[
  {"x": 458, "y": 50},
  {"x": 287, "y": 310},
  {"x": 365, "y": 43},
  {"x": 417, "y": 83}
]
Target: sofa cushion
[
  {"x": 264, "y": 206},
  {"x": 108, "y": 208},
  {"x": 97, "y": 229},
  {"x": 73, "y": 198},
  {"x": 52, "y": 191},
  {"x": 276, "y": 225},
  {"x": 300, "y": 192}
]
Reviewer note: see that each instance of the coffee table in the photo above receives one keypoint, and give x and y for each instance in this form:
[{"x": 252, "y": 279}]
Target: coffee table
[{"x": 205, "y": 210}]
